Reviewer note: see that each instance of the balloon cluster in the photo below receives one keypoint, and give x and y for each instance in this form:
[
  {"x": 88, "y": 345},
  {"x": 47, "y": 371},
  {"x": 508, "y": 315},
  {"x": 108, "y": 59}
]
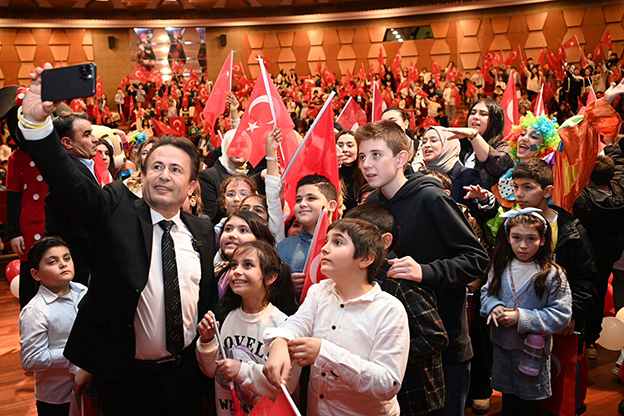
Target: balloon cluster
[
  {"x": 612, "y": 334},
  {"x": 12, "y": 273}
]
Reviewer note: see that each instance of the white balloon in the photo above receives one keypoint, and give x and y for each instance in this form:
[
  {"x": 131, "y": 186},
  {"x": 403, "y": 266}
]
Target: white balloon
[
  {"x": 620, "y": 315},
  {"x": 15, "y": 286},
  {"x": 612, "y": 335}
]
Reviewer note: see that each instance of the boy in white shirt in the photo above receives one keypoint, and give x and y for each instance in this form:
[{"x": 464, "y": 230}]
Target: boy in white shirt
[
  {"x": 45, "y": 323},
  {"x": 355, "y": 337}
]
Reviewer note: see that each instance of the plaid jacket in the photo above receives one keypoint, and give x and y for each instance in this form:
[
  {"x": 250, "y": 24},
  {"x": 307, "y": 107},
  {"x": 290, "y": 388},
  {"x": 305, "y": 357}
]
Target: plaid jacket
[{"x": 422, "y": 389}]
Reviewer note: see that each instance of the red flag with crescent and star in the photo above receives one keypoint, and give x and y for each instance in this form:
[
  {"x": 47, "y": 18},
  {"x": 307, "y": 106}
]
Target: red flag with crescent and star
[
  {"x": 249, "y": 141},
  {"x": 312, "y": 268},
  {"x": 514, "y": 56},
  {"x": 222, "y": 86},
  {"x": 510, "y": 105},
  {"x": 138, "y": 73},
  {"x": 179, "y": 125},
  {"x": 352, "y": 116}
]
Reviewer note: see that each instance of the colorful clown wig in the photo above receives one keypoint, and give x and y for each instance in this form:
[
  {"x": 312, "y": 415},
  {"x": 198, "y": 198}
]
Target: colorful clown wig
[
  {"x": 134, "y": 139},
  {"x": 548, "y": 129}
]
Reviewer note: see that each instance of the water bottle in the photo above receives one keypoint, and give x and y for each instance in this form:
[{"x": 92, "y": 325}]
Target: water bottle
[{"x": 532, "y": 355}]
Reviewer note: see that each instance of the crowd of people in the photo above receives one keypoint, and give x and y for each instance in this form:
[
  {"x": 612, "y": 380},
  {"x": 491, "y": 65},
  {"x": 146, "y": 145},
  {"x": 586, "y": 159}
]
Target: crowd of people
[{"x": 434, "y": 205}]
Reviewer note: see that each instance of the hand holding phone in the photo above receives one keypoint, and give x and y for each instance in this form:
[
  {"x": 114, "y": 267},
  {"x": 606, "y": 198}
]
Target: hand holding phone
[{"x": 75, "y": 81}]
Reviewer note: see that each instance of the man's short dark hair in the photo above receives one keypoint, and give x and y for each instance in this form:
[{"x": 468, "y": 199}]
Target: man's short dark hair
[
  {"x": 366, "y": 239},
  {"x": 534, "y": 169},
  {"x": 183, "y": 144},
  {"x": 323, "y": 184},
  {"x": 603, "y": 171},
  {"x": 36, "y": 252},
  {"x": 64, "y": 123},
  {"x": 376, "y": 213}
]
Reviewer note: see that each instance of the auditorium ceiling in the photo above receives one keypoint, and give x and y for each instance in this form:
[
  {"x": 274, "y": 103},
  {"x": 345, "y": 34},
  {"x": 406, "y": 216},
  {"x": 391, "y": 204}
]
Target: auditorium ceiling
[{"x": 224, "y": 12}]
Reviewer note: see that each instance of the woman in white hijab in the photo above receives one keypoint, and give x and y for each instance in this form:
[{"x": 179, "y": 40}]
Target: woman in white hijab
[{"x": 442, "y": 154}]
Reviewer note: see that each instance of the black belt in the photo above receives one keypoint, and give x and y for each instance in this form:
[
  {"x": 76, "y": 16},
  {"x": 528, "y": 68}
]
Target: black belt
[{"x": 165, "y": 365}]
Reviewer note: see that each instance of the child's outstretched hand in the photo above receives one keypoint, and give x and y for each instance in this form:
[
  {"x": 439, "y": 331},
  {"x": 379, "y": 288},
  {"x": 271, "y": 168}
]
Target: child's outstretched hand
[
  {"x": 304, "y": 350},
  {"x": 476, "y": 192},
  {"x": 496, "y": 312},
  {"x": 277, "y": 366},
  {"x": 228, "y": 368},
  {"x": 206, "y": 327}
]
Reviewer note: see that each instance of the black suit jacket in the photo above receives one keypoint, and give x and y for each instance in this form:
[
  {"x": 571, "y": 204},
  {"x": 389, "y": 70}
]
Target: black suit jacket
[
  {"x": 102, "y": 340},
  {"x": 59, "y": 222}
]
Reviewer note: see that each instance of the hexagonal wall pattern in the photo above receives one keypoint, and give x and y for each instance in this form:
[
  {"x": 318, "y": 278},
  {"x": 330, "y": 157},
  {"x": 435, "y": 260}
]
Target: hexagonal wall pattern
[{"x": 24, "y": 49}]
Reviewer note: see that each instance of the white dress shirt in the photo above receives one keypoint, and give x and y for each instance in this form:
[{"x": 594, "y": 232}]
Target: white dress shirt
[
  {"x": 149, "y": 320},
  {"x": 45, "y": 323},
  {"x": 364, "y": 350}
]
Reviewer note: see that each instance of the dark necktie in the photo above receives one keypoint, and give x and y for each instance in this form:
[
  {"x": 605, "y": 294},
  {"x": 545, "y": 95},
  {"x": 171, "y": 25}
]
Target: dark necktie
[{"x": 173, "y": 305}]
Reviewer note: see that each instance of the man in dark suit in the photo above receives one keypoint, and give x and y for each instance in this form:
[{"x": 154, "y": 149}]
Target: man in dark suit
[
  {"x": 78, "y": 140},
  {"x": 131, "y": 331}
]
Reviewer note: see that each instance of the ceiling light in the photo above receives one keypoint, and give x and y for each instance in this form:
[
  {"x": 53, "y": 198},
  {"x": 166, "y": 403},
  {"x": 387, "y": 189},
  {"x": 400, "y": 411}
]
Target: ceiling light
[
  {"x": 400, "y": 40},
  {"x": 394, "y": 32},
  {"x": 165, "y": 49},
  {"x": 166, "y": 77},
  {"x": 165, "y": 62},
  {"x": 165, "y": 70},
  {"x": 164, "y": 38},
  {"x": 168, "y": 29}
]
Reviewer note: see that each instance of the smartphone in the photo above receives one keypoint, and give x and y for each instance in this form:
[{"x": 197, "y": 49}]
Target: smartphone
[{"x": 76, "y": 81}]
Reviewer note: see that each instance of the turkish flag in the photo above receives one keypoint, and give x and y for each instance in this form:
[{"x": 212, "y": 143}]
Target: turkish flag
[
  {"x": 396, "y": 64},
  {"x": 606, "y": 40},
  {"x": 319, "y": 66},
  {"x": 316, "y": 155},
  {"x": 249, "y": 141},
  {"x": 352, "y": 116},
  {"x": 222, "y": 86},
  {"x": 510, "y": 105},
  {"x": 178, "y": 124},
  {"x": 193, "y": 77},
  {"x": 539, "y": 109},
  {"x": 263, "y": 407},
  {"x": 161, "y": 129},
  {"x": 99, "y": 87},
  {"x": 584, "y": 60},
  {"x": 413, "y": 72},
  {"x": 572, "y": 42},
  {"x": 76, "y": 105},
  {"x": 456, "y": 122},
  {"x": 102, "y": 173},
  {"x": 313, "y": 263},
  {"x": 471, "y": 90},
  {"x": 598, "y": 52},
  {"x": 435, "y": 68},
  {"x": 138, "y": 73},
  {"x": 428, "y": 122},
  {"x": 514, "y": 56},
  {"x": 97, "y": 115},
  {"x": 455, "y": 93},
  {"x": 561, "y": 55},
  {"x": 237, "y": 68},
  {"x": 348, "y": 78},
  {"x": 542, "y": 56},
  {"x": 382, "y": 62},
  {"x": 498, "y": 58},
  {"x": 362, "y": 73},
  {"x": 125, "y": 82},
  {"x": 330, "y": 78},
  {"x": 379, "y": 104},
  {"x": 488, "y": 56}
]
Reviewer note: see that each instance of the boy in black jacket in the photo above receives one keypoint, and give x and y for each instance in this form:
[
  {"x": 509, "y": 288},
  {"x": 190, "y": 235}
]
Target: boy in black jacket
[
  {"x": 600, "y": 207},
  {"x": 433, "y": 241}
]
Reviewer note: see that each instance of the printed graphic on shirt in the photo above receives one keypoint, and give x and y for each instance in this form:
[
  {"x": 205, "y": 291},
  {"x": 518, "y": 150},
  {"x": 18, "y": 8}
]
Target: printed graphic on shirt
[{"x": 244, "y": 354}]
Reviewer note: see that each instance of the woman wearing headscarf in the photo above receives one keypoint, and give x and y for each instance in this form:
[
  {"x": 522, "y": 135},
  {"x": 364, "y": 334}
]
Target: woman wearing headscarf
[{"x": 442, "y": 153}]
